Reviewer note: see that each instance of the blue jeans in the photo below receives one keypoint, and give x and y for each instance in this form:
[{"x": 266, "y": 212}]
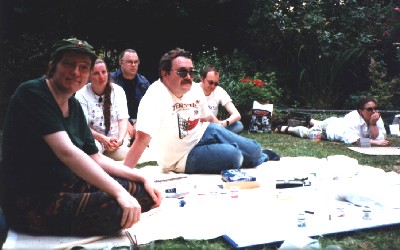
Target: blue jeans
[
  {"x": 236, "y": 127},
  {"x": 221, "y": 149}
]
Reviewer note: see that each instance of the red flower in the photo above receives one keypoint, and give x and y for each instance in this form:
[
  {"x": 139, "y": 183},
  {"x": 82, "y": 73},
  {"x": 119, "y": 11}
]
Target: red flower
[
  {"x": 397, "y": 9},
  {"x": 258, "y": 83},
  {"x": 255, "y": 82}
]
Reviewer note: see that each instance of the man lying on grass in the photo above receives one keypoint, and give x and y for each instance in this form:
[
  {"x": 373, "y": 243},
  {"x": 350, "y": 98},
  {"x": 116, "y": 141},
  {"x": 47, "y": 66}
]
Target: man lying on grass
[{"x": 364, "y": 122}]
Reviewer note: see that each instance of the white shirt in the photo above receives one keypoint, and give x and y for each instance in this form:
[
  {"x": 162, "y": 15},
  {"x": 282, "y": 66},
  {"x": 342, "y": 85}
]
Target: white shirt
[
  {"x": 351, "y": 127},
  {"x": 218, "y": 97},
  {"x": 93, "y": 109},
  {"x": 158, "y": 116}
]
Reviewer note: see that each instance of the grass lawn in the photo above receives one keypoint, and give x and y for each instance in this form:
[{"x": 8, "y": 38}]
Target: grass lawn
[{"x": 286, "y": 145}]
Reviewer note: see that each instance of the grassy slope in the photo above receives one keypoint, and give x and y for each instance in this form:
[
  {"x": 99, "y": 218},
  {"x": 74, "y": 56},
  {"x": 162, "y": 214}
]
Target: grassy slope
[{"x": 286, "y": 145}]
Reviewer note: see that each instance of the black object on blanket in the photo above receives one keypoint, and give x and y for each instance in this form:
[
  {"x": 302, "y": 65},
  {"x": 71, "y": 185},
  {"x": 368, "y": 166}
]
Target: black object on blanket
[{"x": 280, "y": 184}]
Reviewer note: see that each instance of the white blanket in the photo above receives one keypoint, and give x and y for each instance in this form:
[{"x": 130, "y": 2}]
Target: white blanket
[
  {"x": 210, "y": 211},
  {"x": 377, "y": 150}
]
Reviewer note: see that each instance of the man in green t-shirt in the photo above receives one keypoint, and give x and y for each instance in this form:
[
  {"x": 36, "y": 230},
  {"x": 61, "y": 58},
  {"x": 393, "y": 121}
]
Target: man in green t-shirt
[{"x": 56, "y": 181}]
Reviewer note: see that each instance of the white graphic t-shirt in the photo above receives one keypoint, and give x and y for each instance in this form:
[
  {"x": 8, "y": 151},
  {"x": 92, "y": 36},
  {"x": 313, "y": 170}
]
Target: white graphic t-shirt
[
  {"x": 92, "y": 106},
  {"x": 218, "y": 97},
  {"x": 173, "y": 123}
]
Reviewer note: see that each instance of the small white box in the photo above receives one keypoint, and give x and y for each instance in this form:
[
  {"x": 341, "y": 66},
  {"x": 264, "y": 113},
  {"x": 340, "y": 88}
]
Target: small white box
[{"x": 394, "y": 129}]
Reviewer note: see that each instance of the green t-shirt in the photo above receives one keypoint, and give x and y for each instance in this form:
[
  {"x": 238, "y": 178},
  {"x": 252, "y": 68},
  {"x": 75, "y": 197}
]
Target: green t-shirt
[{"x": 29, "y": 165}]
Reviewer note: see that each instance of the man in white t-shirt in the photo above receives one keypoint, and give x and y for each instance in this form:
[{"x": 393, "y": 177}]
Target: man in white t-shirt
[
  {"x": 209, "y": 80},
  {"x": 185, "y": 136}
]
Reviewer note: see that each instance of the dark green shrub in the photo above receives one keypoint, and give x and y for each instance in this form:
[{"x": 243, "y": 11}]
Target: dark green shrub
[
  {"x": 262, "y": 88},
  {"x": 239, "y": 77}
]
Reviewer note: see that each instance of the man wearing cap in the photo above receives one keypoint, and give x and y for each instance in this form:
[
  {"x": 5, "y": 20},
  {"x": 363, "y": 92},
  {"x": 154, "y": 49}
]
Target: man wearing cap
[
  {"x": 134, "y": 84},
  {"x": 56, "y": 181}
]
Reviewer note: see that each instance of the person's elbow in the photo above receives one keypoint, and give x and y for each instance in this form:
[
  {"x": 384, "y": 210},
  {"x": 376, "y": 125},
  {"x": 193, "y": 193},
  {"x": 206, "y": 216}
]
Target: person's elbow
[
  {"x": 142, "y": 137},
  {"x": 239, "y": 117}
]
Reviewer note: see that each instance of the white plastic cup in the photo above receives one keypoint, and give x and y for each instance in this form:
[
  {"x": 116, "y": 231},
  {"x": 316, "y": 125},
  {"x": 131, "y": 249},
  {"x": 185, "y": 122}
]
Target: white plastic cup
[
  {"x": 364, "y": 142},
  {"x": 314, "y": 134}
]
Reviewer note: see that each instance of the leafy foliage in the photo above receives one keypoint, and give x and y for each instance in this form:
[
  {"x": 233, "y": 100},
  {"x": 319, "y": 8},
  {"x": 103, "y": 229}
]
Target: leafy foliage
[
  {"x": 387, "y": 92},
  {"x": 323, "y": 34},
  {"x": 21, "y": 60},
  {"x": 321, "y": 82},
  {"x": 261, "y": 88},
  {"x": 319, "y": 51},
  {"x": 241, "y": 82}
]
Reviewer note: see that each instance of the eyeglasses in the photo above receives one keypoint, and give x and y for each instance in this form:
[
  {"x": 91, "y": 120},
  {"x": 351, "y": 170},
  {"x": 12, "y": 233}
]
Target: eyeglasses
[
  {"x": 212, "y": 83},
  {"x": 129, "y": 62},
  {"x": 183, "y": 73},
  {"x": 371, "y": 108},
  {"x": 84, "y": 68}
]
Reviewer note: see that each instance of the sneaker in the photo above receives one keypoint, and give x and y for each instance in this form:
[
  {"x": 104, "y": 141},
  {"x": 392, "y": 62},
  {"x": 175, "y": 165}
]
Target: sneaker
[{"x": 272, "y": 156}]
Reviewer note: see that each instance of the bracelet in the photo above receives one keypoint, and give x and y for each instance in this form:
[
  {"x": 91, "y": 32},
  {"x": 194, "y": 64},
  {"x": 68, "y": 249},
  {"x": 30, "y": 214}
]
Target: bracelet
[{"x": 227, "y": 122}]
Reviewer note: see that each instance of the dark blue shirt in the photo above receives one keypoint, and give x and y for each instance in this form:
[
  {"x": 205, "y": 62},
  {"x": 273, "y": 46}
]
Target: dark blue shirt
[{"x": 134, "y": 90}]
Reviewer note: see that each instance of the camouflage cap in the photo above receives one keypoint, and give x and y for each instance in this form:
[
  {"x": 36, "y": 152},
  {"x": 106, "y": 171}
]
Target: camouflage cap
[{"x": 73, "y": 44}]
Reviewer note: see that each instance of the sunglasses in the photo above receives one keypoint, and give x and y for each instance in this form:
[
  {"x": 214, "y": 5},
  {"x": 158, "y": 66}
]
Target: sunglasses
[
  {"x": 212, "y": 83},
  {"x": 183, "y": 73},
  {"x": 371, "y": 108}
]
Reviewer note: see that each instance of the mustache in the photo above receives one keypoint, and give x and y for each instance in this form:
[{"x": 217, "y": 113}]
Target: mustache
[{"x": 185, "y": 81}]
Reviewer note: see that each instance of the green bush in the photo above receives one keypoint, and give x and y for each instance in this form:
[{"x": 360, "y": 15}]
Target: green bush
[
  {"x": 320, "y": 49},
  {"x": 239, "y": 77},
  {"x": 385, "y": 90},
  {"x": 262, "y": 88}
]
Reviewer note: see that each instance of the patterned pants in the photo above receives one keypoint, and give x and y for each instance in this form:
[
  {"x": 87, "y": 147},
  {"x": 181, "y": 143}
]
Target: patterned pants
[{"x": 78, "y": 210}]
